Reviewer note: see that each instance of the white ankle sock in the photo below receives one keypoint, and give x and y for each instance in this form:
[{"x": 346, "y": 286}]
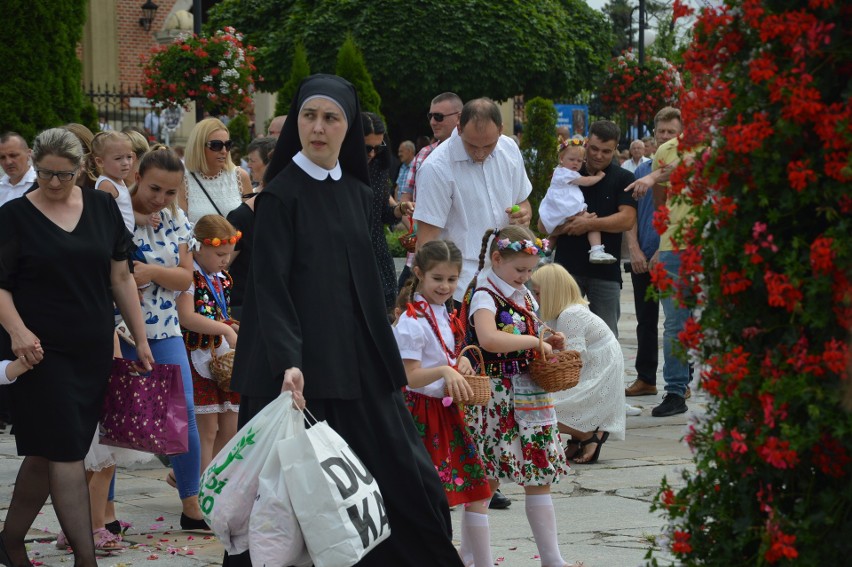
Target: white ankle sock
[
  {"x": 597, "y": 247},
  {"x": 475, "y": 546},
  {"x": 542, "y": 519}
]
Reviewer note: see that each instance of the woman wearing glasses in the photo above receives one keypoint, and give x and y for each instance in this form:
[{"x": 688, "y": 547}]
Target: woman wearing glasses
[
  {"x": 214, "y": 185},
  {"x": 63, "y": 260},
  {"x": 384, "y": 209}
]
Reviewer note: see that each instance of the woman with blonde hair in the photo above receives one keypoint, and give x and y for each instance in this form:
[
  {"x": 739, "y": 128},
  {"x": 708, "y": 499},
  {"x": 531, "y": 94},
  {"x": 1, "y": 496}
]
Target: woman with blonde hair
[
  {"x": 594, "y": 409},
  {"x": 213, "y": 184}
]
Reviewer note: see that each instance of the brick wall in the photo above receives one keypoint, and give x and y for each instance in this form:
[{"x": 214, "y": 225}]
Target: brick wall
[{"x": 133, "y": 40}]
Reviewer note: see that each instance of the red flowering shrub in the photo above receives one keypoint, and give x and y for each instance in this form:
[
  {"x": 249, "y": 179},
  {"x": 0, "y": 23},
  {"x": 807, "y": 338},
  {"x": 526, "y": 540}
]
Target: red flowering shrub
[
  {"x": 643, "y": 90},
  {"x": 215, "y": 71},
  {"x": 769, "y": 125}
]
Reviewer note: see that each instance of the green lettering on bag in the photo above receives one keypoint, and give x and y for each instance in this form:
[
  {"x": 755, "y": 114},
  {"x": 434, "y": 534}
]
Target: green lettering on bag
[{"x": 235, "y": 453}]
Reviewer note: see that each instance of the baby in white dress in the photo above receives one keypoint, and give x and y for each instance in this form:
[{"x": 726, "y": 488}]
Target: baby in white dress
[{"x": 564, "y": 198}]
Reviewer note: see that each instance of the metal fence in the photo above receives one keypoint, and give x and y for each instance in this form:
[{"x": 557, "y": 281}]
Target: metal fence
[{"x": 119, "y": 106}]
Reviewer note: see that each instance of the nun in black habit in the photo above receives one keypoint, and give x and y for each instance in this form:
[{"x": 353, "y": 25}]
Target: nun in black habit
[{"x": 314, "y": 319}]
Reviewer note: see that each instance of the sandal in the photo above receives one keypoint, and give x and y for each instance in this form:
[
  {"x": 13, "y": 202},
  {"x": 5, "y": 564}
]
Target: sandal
[
  {"x": 117, "y": 527},
  {"x": 572, "y": 448},
  {"x": 107, "y": 541},
  {"x": 598, "y": 440}
]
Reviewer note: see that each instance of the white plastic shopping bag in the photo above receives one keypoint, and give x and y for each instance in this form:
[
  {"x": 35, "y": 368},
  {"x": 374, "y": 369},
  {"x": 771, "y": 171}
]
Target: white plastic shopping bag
[
  {"x": 229, "y": 485},
  {"x": 275, "y": 538},
  {"x": 336, "y": 499}
]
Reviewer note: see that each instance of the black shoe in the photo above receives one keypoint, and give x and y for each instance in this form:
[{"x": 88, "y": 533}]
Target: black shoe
[
  {"x": 499, "y": 501},
  {"x": 191, "y": 524},
  {"x": 672, "y": 405}
]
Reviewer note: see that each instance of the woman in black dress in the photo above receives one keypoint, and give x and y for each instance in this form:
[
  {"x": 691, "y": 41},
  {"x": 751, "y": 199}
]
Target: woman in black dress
[
  {"x": 314, "y": 318},
  {"x": 383, "y": 213},
  {"x": 63, "y": 259}
]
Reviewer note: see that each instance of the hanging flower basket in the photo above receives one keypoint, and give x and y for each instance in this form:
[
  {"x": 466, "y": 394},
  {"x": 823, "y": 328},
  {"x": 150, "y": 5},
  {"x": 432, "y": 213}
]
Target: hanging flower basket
[
  {"x": 644, "y": 90},
  {"x": 215, "y": 71}
]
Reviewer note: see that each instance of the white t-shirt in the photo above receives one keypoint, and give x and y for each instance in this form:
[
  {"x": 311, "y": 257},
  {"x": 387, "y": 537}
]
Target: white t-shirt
[
  {"x": 563, "y": 199},
  {"x": 465, "y": 198},
  {"x": 417, "y": 341},
  {"x": 123, "y": 201}
]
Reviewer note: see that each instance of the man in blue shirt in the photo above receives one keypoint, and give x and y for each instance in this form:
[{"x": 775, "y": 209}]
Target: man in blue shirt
[{"x": 642, "y": 242}]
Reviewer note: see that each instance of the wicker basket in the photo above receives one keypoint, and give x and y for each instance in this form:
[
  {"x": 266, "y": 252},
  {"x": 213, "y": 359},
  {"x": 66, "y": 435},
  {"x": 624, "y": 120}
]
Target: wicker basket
[
  {"x": 561, "y": 372},
  {"x": 409, "y": 240},
  {"x": 479, "y": 383},
  {"x": 221, "y": 368}
]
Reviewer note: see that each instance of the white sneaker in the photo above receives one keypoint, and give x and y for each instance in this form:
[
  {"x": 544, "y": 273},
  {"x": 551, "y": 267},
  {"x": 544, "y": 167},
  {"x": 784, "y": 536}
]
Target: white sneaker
[
  {"x": 632, "y": 410},
  {"x": 601, "y": 257}
]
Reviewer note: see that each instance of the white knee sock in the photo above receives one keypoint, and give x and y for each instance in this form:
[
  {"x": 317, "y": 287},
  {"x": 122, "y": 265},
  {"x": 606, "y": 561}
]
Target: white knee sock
[
  {"x": 475, "y": 546},
  {"x": 542, "y": 519}
]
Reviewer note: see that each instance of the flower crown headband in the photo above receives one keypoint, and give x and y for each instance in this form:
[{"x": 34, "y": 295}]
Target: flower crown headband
[
  {"x": 541, "y": 246},
  {"x": 570, "y": 143},
  {"x": 195, "y": 244}
]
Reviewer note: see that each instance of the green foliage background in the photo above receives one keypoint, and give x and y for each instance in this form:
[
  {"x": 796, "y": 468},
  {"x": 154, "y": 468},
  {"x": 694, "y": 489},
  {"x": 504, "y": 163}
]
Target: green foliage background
[
  {"x": 351, "y": 66},
  {"x": 298, "y": 71},
  {"x": 41, "y": 85},
  {"x": 552, "y": 48},
  {"x": 538, "y": 147}
]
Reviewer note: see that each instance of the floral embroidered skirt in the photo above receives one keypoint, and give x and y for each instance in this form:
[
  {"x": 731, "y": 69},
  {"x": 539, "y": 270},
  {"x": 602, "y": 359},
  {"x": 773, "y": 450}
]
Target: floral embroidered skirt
[
  {"x": 518, "y": 443},
  {"x": 451, "y": 448},
  {"x": 209, "y": 398}
]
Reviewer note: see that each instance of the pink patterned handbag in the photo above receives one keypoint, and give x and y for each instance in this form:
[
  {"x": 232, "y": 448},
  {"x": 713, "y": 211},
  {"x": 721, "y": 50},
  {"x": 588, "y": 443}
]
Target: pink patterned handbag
[{"x": 146, "y": 412}]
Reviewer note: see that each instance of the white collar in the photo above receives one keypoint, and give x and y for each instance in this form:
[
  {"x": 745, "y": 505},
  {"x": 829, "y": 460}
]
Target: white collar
[
  {"x": 505, "y": 289},
  {"x": 28, "y": 178},
  {"x": 317, "y": 172}
]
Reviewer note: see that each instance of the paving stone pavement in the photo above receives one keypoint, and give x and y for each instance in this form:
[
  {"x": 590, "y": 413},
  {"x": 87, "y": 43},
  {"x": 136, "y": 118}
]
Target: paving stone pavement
[{"x": 602, "y": 510}]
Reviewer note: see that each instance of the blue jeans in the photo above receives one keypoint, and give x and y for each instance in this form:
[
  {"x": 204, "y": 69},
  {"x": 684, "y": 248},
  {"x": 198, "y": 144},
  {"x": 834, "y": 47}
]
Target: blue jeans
[
  {"x": 187, "y": 467},
  {"x": 675, "y": 368},
  {"x": 604, "y": 299}
]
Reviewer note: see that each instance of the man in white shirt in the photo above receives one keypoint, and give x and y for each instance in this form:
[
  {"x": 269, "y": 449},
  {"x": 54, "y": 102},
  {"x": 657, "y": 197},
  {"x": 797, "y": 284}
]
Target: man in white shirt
[
  {"x": 15, "y": 160},
  {"x": 471, "y": 183},
  {"x": 637, "y": 156}
]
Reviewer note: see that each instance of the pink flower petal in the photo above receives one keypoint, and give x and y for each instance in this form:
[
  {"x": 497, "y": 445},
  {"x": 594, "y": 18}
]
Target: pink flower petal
[
  {"x": 160, "y": 519},
  {"x": 447, "y": 401}
]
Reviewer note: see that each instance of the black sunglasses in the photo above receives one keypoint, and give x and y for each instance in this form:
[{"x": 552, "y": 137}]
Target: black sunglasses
[
  {"x": 439, "y": 116},
  {"x": 217, "y": 145},
  {"x": 378, "y": 149}
]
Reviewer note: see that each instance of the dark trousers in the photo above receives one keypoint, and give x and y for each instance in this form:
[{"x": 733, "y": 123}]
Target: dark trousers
[{"x": 647, "y": 319}]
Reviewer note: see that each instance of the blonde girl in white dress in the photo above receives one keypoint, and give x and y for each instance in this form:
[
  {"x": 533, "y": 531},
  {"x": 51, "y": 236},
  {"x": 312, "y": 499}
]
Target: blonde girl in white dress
[{"x": 593, "y": 410}]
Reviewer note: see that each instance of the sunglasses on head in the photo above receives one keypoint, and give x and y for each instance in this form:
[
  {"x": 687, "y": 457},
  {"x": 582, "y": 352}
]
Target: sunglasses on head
[
  {"x": 376, "y": 149},
  {"x": 439, "y": 116},
  {"x": 217, "y": 145}
]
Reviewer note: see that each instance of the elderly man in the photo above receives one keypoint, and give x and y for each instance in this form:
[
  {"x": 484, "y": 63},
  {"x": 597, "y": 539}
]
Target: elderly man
[
  {"x": 470, "y": 184},
  {"x": 610, "y": 211},
  {"x": 406, "y": 156},
  {"x": 15, "y": 161},
  {"x": 642, "y": 243},
  {"x": 275, "y": 126},
  {"x": 637, "y": 156}
]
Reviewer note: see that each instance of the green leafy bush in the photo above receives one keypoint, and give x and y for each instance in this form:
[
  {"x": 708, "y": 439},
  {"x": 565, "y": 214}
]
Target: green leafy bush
[{"x": 538, "y": 146}]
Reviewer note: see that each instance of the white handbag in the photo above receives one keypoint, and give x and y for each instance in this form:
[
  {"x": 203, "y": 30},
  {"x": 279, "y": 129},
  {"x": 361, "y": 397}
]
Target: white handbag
[{"x": 336, "y": 500}]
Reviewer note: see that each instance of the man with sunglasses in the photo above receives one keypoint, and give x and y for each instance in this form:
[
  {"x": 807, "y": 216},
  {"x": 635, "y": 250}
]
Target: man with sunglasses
[{"x": 443, "y": 117}]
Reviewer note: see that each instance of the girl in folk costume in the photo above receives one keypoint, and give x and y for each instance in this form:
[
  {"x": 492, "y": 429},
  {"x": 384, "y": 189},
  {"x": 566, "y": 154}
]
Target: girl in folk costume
[
  {"x": 206, "y": 325},
  {"x": 426, "y": 334},
  {"x": 516, "y": 431}
]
